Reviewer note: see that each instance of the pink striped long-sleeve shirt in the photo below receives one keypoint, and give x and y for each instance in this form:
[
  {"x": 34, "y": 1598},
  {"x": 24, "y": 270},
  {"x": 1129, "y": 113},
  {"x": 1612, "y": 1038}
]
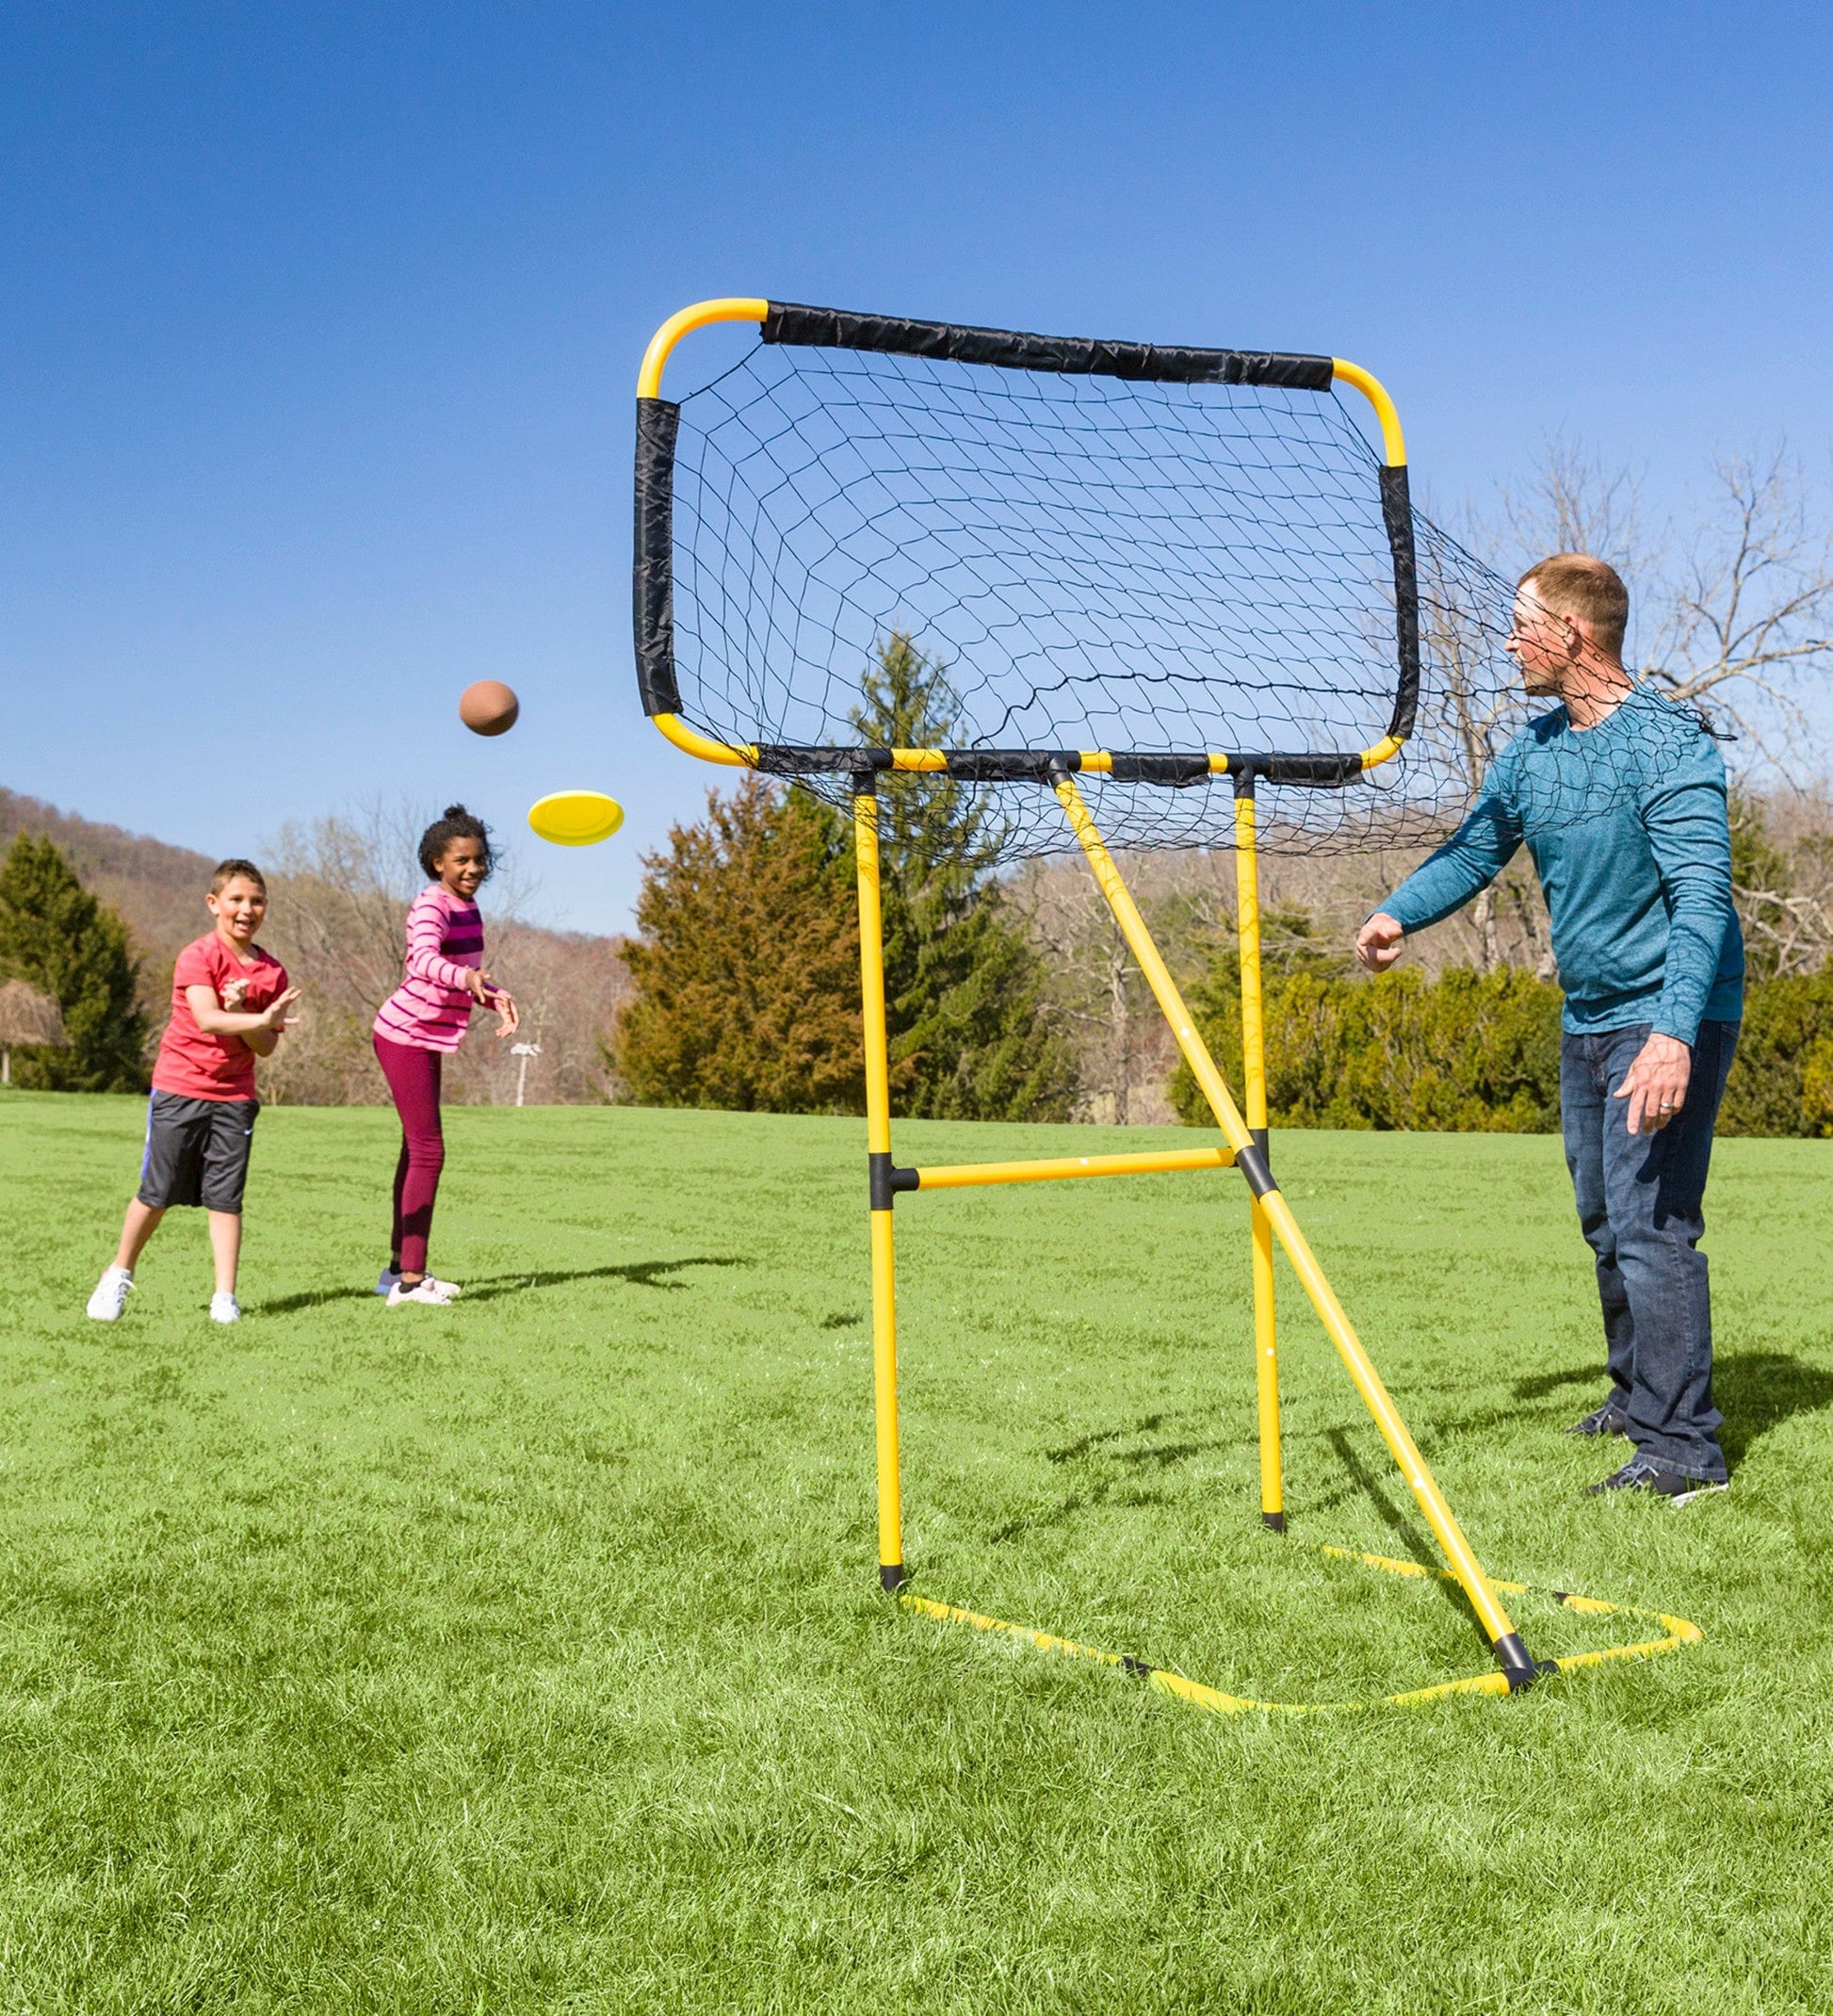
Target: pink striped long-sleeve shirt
[{"x": 431, "y": 1010}]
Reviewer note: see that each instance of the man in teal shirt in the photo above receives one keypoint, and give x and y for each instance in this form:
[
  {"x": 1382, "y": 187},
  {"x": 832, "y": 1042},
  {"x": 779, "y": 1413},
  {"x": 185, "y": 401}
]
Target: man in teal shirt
[{"x": 1620, "y": 798}]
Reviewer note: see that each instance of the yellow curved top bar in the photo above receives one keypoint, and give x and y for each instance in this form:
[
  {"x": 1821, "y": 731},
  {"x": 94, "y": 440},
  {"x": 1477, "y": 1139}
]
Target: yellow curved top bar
[
  {"x": 732, "y": 308},
  {"x": 704, "y": 746},
  {"x": 1392, "y": 441}
]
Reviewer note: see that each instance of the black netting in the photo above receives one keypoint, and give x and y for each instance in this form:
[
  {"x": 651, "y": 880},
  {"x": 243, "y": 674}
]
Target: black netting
[{"x": 1162, "y": 569}]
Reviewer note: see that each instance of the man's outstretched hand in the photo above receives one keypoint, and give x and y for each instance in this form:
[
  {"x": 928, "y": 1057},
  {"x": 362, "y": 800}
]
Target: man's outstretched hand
[
  {"x": 1378, "y": 942},
  {"x": 1656, "y": 1084}
]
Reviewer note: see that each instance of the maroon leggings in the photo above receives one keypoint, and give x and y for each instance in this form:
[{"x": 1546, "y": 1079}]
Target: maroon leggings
[{"x": 413, "y": 1078}]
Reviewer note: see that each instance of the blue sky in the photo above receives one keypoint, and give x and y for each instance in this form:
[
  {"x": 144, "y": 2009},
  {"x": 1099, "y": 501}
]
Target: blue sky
[{"x": 321, "y": 321}]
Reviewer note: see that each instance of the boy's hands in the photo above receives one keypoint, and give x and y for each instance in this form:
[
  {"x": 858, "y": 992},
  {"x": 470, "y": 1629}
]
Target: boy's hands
[
  {"x": 234, "y": 992},
  {"x": 274, "y": 1016},
  {"x": 1378, "y": 942}
]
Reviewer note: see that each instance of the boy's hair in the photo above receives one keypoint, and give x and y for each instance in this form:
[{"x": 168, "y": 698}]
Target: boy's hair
[
  {"x": 1578, "y": 584},
  {"x": 226, "y": 872},
  {"x": 454, "y": 824}
]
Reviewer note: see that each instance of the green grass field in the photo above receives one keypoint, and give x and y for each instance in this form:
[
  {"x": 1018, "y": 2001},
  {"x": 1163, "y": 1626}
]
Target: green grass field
[{"x": 528, "y": 1655}]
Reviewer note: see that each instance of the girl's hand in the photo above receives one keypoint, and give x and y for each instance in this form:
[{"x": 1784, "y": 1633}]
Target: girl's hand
[
  {"x": 509, "y": 1015},
  {"x": 477, "y": 985}
]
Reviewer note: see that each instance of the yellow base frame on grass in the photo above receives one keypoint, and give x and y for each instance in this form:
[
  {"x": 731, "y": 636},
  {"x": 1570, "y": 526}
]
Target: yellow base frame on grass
[
  {"x": 1243, "y": 1145},
  {"x": 1677, "y": 1632}
]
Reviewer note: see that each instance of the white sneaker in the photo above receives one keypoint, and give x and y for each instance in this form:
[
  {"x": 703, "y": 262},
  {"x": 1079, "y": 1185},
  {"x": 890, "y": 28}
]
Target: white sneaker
[
  {"x": 390, "y": 1279},
  {"x": 111, "y": 1294},
  {"x": 424, "y": 1292},
  {"x": 225, "y": 1308}
]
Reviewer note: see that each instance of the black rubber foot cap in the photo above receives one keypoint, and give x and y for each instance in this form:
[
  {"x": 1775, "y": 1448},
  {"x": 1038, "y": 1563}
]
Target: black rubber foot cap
[
  {"x": 1519, "y": 1664},
  {"x": 890, "y": 1575},
  {"x": 1273, "y": 1521}
]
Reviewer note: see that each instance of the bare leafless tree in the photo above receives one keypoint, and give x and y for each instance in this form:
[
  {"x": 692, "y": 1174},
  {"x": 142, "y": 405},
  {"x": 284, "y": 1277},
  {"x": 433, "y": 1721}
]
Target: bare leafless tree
[
  {"x": 1573, "y": 501},
  {"x": 1097, "y": 994},
  {"x": 1745, "y": 627}
]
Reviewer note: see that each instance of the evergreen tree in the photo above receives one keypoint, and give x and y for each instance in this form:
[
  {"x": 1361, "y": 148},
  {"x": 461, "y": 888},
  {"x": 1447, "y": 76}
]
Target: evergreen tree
[
  {"x": 747, "y": 972},
  {"x": 964, "y": 989},
  {"x": 58, "y": 938}
]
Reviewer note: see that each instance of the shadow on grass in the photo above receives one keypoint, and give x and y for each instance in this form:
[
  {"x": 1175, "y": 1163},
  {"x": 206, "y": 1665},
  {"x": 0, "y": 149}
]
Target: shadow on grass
[
  {"x": 1109, "y": 1475},
  {"x": 1758, "y": 1390},
  {"x": 643, "y": 1273},
  {"x": 1549, "y": 1382},
  {"x": 1098, "y": 1439},
  {"x": 1415, "y": 1544},
  {"x": 1755, "y": 1391}
]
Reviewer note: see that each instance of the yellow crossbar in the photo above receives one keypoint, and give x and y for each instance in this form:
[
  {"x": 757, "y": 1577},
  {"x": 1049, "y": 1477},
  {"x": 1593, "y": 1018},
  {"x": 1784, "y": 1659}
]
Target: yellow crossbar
[{"x": 1053, "y": 1169}]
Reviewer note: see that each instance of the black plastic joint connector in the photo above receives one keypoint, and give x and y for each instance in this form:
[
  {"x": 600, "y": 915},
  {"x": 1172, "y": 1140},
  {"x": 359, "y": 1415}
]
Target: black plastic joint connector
[
  {"x": 890, "y": 1576},
  {"x": 1252, "y": 1163},
  {"x": 886, "y": 1179},
  {"x": 1273, "y": 1521},
  {"x": 1521, "y": 1669}
]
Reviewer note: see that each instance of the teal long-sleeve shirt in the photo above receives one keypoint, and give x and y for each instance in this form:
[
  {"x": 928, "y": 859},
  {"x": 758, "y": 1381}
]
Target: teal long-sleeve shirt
[{"x": 1628, "y": 829}]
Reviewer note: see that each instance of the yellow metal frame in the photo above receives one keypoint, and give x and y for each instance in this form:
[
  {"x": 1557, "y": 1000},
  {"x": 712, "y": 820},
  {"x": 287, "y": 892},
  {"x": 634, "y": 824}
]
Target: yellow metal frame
[
  {"x": 1095, "y": 762},
  {"x": 1254, "y": 1085},
  {"x": 1243, "y": 1145},
  {"x": 1676, "y": 1631}
]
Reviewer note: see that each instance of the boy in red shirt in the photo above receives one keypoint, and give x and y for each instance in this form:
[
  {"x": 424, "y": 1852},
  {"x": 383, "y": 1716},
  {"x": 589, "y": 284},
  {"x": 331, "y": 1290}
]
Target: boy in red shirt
[{"x": 229, "y": 1003}]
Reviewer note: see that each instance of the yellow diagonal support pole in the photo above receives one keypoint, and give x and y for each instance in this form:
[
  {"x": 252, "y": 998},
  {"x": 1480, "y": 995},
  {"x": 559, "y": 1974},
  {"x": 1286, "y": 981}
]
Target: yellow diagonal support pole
[
  {"x": 1504, "y": 1641},
  {"x": 877, "y": 1157},
  {"x": 1253, "y": 1089}
]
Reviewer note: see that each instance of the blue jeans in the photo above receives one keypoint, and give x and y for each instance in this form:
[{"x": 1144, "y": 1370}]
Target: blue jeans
[{"x": 1640, "y": 1198}]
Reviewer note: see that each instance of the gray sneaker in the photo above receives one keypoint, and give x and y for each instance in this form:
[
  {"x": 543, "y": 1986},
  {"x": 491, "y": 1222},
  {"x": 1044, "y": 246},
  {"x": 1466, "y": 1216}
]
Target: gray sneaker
[
  {"x": 1642, "y": 1473},
  {"x": 1606, "y": 1420}
]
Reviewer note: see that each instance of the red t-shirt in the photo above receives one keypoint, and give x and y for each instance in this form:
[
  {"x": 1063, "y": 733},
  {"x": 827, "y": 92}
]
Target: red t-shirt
[{"x": 194, "y": 1065}]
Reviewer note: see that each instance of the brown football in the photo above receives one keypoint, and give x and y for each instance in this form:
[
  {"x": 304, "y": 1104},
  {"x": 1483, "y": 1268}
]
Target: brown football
[{"x": 489, "y": 708}]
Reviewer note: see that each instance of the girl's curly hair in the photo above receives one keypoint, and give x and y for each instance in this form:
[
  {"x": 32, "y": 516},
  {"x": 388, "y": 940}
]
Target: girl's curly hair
[{"x": 456, "y": 823}]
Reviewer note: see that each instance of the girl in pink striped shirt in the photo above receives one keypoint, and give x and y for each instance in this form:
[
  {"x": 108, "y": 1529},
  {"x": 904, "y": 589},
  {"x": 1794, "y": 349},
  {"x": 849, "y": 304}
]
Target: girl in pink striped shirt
[{"x": 421, "y": 1023}]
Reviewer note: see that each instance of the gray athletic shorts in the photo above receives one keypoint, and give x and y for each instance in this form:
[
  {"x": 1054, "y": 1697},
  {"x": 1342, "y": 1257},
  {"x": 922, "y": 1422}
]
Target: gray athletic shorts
[{"x": 197, "y": 1151}]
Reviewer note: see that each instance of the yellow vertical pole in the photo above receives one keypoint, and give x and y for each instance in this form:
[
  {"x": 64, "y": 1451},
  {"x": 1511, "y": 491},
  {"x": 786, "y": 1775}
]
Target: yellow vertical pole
[
  {"x": 1254, "y": 1088},
  {"x": 878, "y": 1160},
  {"x": 1504, "y": 1641}
]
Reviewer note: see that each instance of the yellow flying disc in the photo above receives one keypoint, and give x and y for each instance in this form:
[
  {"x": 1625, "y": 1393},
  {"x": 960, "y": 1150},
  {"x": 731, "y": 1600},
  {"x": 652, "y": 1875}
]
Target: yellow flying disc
[{"x": 576, "y": 818}]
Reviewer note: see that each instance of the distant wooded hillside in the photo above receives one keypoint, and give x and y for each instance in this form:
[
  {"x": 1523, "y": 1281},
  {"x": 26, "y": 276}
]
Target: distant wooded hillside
[
  {"x": 157, "y": 889},
  {"x": 336, "y": 922}
]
